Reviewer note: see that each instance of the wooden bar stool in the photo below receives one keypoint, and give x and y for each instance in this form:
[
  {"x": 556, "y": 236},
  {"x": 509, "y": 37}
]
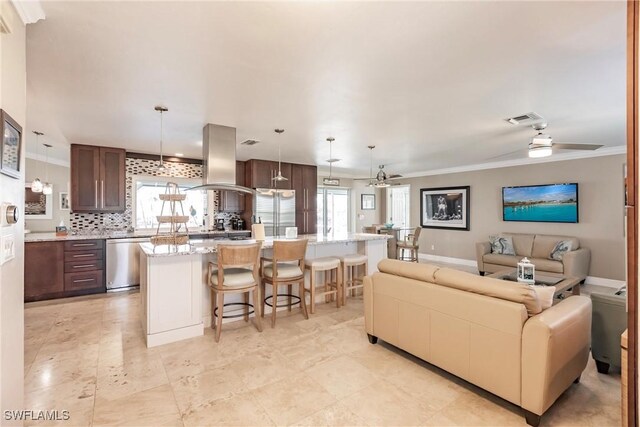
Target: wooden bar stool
[
  {"x": 332, "y": 279},
  {"x": 351, "y": 280},
  {"x": 285, "y": 268},
  {"x": 235, "y": 272}
]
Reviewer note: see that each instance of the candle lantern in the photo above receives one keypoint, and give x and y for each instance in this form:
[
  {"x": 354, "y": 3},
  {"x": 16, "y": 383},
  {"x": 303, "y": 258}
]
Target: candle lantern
[{"x": 526, "y": 271}]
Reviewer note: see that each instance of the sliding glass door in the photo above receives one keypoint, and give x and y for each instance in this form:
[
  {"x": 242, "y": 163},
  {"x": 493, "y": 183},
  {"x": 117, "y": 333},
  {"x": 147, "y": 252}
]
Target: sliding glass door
[{"x": 333, "y": 210}]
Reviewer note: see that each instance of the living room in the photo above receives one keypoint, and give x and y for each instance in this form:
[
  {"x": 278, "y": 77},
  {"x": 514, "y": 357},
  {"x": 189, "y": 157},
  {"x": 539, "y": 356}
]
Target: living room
[{"x": 149, "y": 146}]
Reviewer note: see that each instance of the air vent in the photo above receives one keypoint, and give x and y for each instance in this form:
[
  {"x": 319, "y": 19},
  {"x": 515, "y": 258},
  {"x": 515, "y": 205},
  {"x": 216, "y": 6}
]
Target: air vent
[
  {"x": 250, "y": 142},
  {"x": 525, "y": 119}
]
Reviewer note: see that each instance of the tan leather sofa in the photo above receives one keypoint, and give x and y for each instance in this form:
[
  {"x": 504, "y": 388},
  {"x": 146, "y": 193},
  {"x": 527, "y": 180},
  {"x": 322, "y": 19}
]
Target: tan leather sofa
[
  {"x": 536, "y": 247},
  {"x": 483, "y": 330}
]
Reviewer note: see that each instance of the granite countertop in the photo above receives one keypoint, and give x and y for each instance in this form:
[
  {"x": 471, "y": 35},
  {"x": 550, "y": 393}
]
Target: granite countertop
[
  {"x": 208, "y": 246},
  {"x": 51, "y": 237}
]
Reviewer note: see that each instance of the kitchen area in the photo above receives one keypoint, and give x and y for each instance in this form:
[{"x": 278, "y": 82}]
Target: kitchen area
[{"x": 84, "y": 236}]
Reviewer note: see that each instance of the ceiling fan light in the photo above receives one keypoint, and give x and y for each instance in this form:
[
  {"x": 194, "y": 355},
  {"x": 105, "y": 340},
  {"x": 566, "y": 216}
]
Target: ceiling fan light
[
  {"x": 381, "y": 185},
  {"x": 541, "y": 151}
]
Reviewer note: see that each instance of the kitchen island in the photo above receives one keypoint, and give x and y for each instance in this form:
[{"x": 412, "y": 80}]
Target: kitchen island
[{"x": 175, "y": 298}]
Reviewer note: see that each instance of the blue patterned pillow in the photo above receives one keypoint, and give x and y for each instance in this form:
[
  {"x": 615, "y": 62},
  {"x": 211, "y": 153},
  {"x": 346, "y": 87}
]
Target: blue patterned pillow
[
  {"x": 502, "y": 245},
  {"x": 561, "y": 248}
]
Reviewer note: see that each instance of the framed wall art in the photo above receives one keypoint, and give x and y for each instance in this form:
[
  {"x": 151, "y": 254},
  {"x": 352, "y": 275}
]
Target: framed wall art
[
  {"x": 10, "y": 146},
  {"x": 367, "y": 202},
  {"x": 445, "y": 207}
]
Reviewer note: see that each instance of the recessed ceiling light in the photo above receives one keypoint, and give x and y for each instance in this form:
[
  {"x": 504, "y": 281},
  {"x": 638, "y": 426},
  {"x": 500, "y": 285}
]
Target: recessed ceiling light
[{"x": 179, "y": 154}]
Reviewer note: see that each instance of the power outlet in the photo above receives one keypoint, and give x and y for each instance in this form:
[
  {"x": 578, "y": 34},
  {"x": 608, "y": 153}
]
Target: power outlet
[
  {"x": 433, "y": 247},
  {"x": 7, "y": 248}
]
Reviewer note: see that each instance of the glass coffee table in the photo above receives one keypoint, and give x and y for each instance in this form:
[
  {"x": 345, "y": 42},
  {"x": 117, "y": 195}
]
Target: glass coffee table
[{"x": 560, "y": 282}]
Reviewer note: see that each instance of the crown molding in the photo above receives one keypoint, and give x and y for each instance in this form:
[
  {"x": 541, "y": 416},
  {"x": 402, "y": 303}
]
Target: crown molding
[
  {"x": 602, "y": 152},
  {"x": 30, "y": 11}
]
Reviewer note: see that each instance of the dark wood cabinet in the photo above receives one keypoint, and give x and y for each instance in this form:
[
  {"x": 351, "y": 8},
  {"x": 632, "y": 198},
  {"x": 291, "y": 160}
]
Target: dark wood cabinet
[
  {"x": 304, "y": 180},
  {"x": 63, "y": 269},
  {"x": 43, "y": 269},
  {"x": 97, "y": 179},
  {"x": 260, "y": 174},
  {"x": 232, "y": 201}
]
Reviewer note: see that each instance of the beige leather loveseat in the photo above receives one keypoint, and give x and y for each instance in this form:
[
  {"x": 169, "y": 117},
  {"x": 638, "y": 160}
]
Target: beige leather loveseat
[
  {"x": 486, "y": 331},
  {"x": 536, "y": 247}
]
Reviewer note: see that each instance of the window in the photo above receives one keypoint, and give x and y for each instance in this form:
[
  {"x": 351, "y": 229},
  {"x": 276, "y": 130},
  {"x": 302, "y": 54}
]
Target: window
[
  {"x": 333, "y": 210},
  {"x": 398, "y": 207},
  {"x": 147, "y": 205}
]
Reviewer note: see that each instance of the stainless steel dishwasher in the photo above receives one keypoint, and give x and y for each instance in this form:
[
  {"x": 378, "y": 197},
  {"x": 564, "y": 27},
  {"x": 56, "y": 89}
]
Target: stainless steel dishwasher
[{"x": 123, "y": 263}]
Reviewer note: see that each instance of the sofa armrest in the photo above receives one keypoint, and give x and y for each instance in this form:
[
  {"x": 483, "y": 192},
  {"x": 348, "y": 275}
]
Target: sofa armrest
[
  {"x": 482, "y": 248},
  {"x": 555, "y": 350},
  {"x": 576, "y": 263}
]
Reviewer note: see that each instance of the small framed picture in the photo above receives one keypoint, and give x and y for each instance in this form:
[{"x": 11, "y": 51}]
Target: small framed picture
[
  {"x": 368, "y": 202},
  {"x": 10, "y": 146},
  {"x": 64, "y": 201}
]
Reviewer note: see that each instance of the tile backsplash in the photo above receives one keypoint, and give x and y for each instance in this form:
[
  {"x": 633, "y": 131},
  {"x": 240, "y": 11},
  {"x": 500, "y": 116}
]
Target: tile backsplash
[{"x": 134, "y": 167}]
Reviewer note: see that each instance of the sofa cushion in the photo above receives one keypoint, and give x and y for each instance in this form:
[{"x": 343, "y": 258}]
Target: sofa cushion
[
  {"x": 506, "y": 260},
  {"x": 522, "y": 243},
  {"x": 411, "y": 270},
  {"x": 543, "y": 245},
  {"x": 510, "y": 291},
  {"x": 562, "y": 247},
  {"x": 545, "y": 264},
  {"x": 545, "y": 295},
  {"x": 501, "y": 245}
]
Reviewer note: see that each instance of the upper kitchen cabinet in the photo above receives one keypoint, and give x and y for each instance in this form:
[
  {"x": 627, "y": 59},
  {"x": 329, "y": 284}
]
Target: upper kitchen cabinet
[
  {"x": 260, "y": 174},
  {"x": 233, "y": 201},
  {"x": 97, "y": 179}
]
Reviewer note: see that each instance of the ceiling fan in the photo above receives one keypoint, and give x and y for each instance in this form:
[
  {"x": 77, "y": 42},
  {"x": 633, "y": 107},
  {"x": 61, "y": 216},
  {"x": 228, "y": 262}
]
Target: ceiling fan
[
  {"x": 542, "y": 145},
  {"x": 381, "y": 178}
]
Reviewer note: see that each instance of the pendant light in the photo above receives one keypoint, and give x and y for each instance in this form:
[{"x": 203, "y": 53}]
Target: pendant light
[
  {"x": 161, "y": 169},
  {"x": 47, "y": 188},
  {"x": 370, "y": 147},
  {"x": 279, "y": 177},
  {"x": 36, "y": 184},
  {"x": 331, "y": 161}
]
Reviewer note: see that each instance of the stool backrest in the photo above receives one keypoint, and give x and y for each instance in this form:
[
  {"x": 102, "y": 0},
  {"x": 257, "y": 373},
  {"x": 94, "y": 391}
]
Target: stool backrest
[
  {"x": 416, "y": 235},
  {"x": 239, "y": 255},
  {"x": 290, "y": 250}
]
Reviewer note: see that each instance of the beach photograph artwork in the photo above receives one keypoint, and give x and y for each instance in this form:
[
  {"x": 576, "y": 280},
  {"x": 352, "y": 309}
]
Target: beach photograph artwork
[{"x": 541, "y": 203}]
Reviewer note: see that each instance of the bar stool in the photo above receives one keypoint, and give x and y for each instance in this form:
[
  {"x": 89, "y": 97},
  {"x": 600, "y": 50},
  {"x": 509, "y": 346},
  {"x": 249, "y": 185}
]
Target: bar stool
[
  {"x": 351, "y": 280},
  {"x": 236, "y": 271},
  {"x": 332, "y": 279},
  {"x": 285, "y": 268}
]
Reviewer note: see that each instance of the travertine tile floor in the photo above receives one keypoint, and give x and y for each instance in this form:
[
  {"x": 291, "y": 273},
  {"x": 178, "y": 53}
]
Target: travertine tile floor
[{"x": 88, "y": 356}]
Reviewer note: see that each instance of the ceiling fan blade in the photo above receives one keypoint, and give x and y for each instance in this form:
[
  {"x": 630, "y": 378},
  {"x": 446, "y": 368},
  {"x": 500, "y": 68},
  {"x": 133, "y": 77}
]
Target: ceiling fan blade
[
  {"x": 509, "y": 154},
  {"x": 394, "y": 176},
  {"x": 576, "y": 146}
]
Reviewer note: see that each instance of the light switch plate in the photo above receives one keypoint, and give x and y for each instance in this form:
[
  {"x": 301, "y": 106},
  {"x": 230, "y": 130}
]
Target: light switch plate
[{"x": 7, "y": 248}]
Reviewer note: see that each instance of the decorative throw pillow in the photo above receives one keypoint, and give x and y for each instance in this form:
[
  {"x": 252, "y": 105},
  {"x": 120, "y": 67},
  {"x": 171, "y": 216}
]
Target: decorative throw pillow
[
  {"x": 560, "y": 249},
  {"x": 502, "y": 245},
  {"x": 545, "y": 295}
]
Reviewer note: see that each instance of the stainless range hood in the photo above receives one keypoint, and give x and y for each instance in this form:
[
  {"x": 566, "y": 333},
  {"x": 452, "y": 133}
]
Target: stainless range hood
[{"x": 219, "y": 157}]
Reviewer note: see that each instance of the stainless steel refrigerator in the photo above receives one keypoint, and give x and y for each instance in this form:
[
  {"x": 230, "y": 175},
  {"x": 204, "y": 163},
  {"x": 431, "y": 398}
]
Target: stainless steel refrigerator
[{"x": 276, "y": 209}]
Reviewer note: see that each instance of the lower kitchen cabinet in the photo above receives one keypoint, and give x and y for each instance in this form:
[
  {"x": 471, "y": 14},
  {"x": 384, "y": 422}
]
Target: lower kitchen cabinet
[{"x": 63, "y": 269}]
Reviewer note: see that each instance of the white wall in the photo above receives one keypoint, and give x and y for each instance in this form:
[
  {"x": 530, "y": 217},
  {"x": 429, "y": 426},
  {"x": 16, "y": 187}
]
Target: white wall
[{"x": 13, "y": 101}]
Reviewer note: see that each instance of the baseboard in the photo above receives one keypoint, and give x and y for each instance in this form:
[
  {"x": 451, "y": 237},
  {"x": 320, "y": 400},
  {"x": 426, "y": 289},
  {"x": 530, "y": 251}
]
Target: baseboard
[{"x": 591, "y": 280}]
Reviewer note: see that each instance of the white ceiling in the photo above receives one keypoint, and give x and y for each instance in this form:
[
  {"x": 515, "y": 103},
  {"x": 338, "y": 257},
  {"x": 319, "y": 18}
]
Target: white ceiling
[{"x": 427, "y": 83}]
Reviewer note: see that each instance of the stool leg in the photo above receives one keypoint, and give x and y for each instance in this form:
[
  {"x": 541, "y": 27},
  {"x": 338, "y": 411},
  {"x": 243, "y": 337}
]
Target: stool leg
[
  {"x": 345, "y": 278},
  {"x": 312, "y": 289},
  {"x": 274, "y": 302},
  {"x": 220, "y": 312},
  {"x": 338, "y": 287},
  {"x": 256, "y": 307},
  {"x": 246, "y": 307},
  {"x": 262, "y": 294},
  {"x": 303, "y": 304},
  {"x": 290, "y": 291},
  {"x": 327, "y": 279},
  {"x": 213, "y": 307}
]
